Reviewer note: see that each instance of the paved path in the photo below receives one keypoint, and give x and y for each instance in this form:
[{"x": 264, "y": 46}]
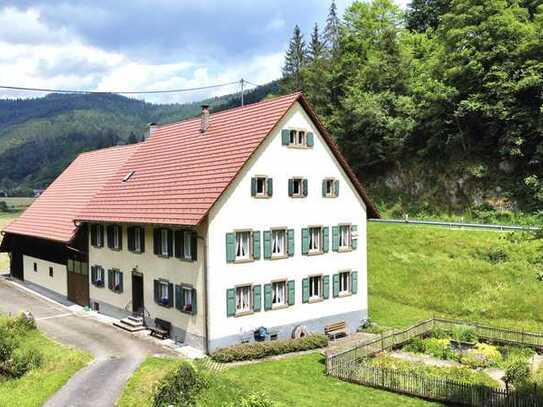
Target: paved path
[{"x": 117, "y": 354}]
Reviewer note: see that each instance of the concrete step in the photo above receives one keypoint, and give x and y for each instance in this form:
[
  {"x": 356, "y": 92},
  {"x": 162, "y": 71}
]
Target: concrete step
[
  {"x": 131, "y": 322},
  {"x": 135, "y": 319},
  {"x": 128, "y": 327}
]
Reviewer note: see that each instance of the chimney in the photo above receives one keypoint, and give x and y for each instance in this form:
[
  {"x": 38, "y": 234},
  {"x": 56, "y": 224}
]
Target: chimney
[
  {"x": 151, "y": 127},
  {"x": 205, "y": 118}
]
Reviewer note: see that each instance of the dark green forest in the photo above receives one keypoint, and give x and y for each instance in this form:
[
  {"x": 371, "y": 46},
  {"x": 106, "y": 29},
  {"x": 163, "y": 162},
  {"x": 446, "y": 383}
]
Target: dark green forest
[{"x": 437, "y": 107}]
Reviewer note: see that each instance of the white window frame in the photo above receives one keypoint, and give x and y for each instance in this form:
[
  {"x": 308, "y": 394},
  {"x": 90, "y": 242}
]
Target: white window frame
[
  {"x": 315, "y": 282},
  {"x": 186, "y": 293},
  {"x": 330, "y": 187},
  {"x": 300, "y": 193},
  {"x": 241, "y": 307},
  {"x": 164, "y": 242},
  {"x": 137, "y": 239},
  {"x": 187, "y": 245},
  {"x": 116, "y": 280},
  {"x": 297, "y": 138},
  {"x": 279, "y": 292},
  {"x": 345, "y": 237},
  {"x": 247, "y": 255},
  {"x": 163, "y": 292},
  {"x": 345, "y": 283},
  {"x": 100, "y": 277},
  {"x": 315, "y": 236},
  {"x": 279, "y": 250}
]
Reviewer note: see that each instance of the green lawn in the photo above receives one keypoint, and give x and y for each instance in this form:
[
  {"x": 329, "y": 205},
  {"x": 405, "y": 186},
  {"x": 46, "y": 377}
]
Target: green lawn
[
  {"x": 415, "y": 272},
  {"x": 5, "y": 218},
  {"x": 34, "y": 388}
]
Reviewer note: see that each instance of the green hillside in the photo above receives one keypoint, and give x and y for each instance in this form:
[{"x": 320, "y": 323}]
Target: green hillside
[{"x": 40, "y": 137}]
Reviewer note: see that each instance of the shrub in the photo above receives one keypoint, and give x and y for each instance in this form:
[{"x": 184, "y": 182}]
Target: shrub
[
  {"x": 465, "y": 334},
  {"x": 256, "y": 399},
  {"x": 482, "y": 356},
  {"x": 21, "y": 323},
  {"x": 179, "y": 387},
  {"x": 416, "y": 345},
  {"x": 258, "y": 350},
  {"x": 439, "y": 348},
  {"x": 493, "y": 255},
  {"x": 439, "y": 333},
  {"x": 517, "y": 373},
  {"x": 512, "y": 353}
]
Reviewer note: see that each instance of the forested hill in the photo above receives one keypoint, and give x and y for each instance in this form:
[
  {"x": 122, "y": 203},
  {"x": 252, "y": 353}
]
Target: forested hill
[{"x": 40, "y": 137}]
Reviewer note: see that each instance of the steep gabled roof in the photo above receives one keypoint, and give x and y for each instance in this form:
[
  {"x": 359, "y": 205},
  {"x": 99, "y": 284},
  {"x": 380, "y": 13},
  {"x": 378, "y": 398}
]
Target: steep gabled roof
[
  {"x": 179, "y": 173},
  {"x": 52, "y": 215}
]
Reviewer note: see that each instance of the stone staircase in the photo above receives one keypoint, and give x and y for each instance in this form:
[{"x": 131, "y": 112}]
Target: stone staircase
[{"x": 130, "y": 324}]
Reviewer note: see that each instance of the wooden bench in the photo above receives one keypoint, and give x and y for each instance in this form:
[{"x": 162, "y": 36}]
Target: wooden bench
[
  {"x": 161, "y": 329},
  {"x": 336, "y": 329}
]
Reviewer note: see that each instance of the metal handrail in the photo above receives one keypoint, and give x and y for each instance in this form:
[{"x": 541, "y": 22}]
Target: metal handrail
[{"x": 458, "y": 225}]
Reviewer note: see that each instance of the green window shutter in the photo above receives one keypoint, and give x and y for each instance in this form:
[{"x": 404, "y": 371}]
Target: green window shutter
[
  {"x": 306, "y": 187},
  {"x": 156, "y": 286},
  {"x": 194, "y": 246},
  {"x": 335, "y": 284},
  {"x": 109, "y": 233},
  {"x": 354, "y": 240},
  {"x": 178, "y": 298},
  {"x": 285, "y": 137},
  {"x": 170, "y": 243},
  {"x": 324, "y": 188},
  {"x": 325, "y": 239},
  {"x": 253, "y": 186},
  {"x": 290, "y": 237},
  {"x": 170, "y": 294},
  {"x": 120, "y": 237},
  {"x": 267, "y": 244},
  {"x": 93, "y": 231},
  {"x": 267, "y": 297},
  {"x": 354, "y": 282},
  {"x": 110, "y": 279},
  {"x": 178, "y": 244},
  {"x": 257, "y": 298},
  {"x": 142, "y": 239},
  {"x": 305, "y": 290},
  {"x": 230, "y": 302},
  {"x": 93, "y": 274},
  {"x": 194, "y": 302},
  {"x": 291, "y": 292},
  {"x": 290, "y": 187},
  {"x": 270, "y": 186},
  {"x": 305, "y": 240},
  {"x": 325, "y": 287},
  {"x": 101, "y": 232},
  {"x": 310, "y": 139},
  {"x": 230, "y": 247},
  {"x": 335, "y": 238},
  {"x": 336, "y": 184},
  {"x": 256, "y": 245},
  {"x": 156, "y": 241},
  {"x": 121, "y": 283},
  {"x": 130, "y": 238}
]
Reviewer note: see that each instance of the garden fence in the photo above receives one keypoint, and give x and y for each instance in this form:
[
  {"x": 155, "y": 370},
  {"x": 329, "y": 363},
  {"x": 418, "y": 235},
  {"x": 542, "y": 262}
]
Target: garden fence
[{"x": 350, "y": 366}]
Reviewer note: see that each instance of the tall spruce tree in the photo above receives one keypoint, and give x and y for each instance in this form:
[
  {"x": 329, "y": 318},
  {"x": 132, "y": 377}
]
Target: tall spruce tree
[
  {"x": 331, "y": 30},
  {"x": 295, "y": 60},
  {"x": 316, "y": 47}
]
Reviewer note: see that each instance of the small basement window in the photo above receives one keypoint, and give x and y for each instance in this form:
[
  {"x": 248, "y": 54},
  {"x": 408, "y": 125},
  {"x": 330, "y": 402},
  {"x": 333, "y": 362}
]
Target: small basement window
[
  {"x": 50, "y": 271},
  {"x": 36, "y": 267}
]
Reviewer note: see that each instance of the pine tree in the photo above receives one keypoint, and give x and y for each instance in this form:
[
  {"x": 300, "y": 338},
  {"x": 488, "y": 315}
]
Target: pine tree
[
  {"x": 331, "y": 30},
  {"x": 316, "y": 47},
  {"x": 295, "y": 60}
]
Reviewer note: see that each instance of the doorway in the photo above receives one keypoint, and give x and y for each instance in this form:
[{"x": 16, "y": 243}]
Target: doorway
[{"x": 138, "y": 305}]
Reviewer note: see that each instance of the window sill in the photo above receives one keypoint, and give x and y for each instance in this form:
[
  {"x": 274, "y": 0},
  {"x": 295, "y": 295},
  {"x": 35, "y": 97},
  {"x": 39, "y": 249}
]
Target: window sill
[
  {"x": 314, "y": 300},
  {"x": 185, "y": 260},
  {"x": 98, "y": 285},
  {"x": 115, "y": 249},
  {"x": 116, "y": 291},
  {"x": 262, "y": 197},
  {"x": 330, "y": 196},
  {"x": 279, "y": 257},
  {"x": 186, "y": 312},
  {"x": 244, "y": 313},
  {"x": 163, "y": 305},
  {"x": 163, "y": 256},
  {"x": 242, "y": 261},
  {"x": 344, "y": 294},
  {"x": 344, "y": 249},
  {"x": 315, "y": 253},
  {"x": 136, "y": 252},
  {"x": 299, "y": 146},
  {"x": 298, "y": 196},
  {"x": 277, "y": 307}
]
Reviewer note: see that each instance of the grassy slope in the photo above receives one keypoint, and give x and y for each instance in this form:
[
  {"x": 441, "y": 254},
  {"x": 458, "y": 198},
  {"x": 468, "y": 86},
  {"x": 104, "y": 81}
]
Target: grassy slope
[
  {"x": 417, "y": 271},
  {"x": 33, "y": 389},
  {"x": 5, "y": 218}
]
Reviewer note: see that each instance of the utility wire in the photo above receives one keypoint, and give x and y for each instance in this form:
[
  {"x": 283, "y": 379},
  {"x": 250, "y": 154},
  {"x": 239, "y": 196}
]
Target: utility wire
[{"x": 123, "y": 92}]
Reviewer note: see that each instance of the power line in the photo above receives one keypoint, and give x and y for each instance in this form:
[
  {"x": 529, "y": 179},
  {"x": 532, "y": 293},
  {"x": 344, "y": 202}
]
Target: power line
[{"x": 143, "y": 92}]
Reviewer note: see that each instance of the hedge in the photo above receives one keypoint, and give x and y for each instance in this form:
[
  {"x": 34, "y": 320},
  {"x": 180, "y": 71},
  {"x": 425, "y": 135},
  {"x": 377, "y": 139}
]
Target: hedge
[{"x": 259, "y": 350}]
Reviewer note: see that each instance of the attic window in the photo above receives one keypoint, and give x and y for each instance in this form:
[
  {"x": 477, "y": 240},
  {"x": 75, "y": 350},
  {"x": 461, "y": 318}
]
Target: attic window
[{"x": 127, "y": 176}]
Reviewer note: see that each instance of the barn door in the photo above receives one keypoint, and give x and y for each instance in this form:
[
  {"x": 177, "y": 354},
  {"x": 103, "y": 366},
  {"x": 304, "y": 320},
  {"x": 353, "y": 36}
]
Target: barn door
[{"x": 78, "y": 282}]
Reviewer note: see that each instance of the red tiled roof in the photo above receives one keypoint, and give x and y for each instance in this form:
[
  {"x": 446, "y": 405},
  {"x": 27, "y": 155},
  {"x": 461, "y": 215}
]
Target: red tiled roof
[
  {"x": 52, "y": 215},
  {"x": 180, "y": 173}
]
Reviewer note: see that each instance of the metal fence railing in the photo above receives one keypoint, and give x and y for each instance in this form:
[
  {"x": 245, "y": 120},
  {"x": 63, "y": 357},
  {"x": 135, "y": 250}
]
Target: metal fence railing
[
  {"x": 350, "y": 365},
  {"x": 459, "y": 225}
]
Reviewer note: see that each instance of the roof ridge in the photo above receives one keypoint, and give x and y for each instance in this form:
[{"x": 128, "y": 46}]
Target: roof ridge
[
  {"x": 272, "y": 99},
  {"x": 109, "y": 148}
]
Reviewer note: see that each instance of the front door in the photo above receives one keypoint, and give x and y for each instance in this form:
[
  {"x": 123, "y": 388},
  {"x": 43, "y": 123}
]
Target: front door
[{"x": 137, "y": 293}]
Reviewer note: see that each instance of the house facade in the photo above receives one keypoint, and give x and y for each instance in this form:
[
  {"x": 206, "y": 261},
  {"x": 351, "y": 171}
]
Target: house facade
[{"x": 222, "y": 225}]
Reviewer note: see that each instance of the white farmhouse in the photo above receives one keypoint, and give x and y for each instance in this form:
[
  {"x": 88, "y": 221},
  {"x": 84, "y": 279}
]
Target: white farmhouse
[{"x": 211, "y": 228}]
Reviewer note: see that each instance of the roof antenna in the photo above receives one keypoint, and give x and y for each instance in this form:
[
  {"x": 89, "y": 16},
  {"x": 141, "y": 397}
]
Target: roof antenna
[{"x": 242, "y": 82}]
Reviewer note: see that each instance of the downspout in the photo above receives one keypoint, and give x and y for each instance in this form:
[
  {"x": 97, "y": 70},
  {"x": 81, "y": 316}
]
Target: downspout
[{"x": 206, "y": 307}]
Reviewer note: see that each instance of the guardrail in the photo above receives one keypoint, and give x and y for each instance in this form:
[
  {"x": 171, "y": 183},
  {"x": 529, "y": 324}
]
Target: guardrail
[{"x": 459, "y": 225}]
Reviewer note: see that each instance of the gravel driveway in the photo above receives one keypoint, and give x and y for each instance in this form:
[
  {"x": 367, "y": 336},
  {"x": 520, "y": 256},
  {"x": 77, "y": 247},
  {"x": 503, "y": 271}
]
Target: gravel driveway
[{"x": 117, "y": 354}]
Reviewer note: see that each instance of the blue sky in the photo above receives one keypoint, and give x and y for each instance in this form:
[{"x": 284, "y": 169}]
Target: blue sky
[{"x": 149, "y": 44}]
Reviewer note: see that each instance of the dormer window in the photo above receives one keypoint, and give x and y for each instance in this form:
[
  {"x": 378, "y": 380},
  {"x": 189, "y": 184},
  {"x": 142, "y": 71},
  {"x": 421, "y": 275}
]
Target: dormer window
[{"x": 300, "y": 138}]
